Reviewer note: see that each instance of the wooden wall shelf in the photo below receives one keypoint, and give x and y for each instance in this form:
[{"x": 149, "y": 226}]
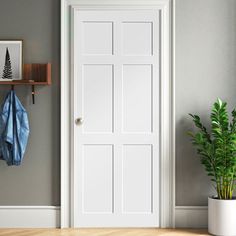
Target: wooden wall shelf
[
  {"x": 22, "y": 83},
  {"x": 33, "y": 75}
]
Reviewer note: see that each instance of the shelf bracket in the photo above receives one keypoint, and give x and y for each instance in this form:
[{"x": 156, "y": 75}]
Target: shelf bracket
[{"x": 33, "y": 94}]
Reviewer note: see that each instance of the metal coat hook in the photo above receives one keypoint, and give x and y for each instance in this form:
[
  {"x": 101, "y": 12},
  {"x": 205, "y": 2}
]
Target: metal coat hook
[{"x": 33, "y": 94}]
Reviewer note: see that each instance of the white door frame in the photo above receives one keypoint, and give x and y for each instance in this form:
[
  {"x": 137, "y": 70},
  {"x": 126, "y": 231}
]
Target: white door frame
[{"x": 167, "y": 136}]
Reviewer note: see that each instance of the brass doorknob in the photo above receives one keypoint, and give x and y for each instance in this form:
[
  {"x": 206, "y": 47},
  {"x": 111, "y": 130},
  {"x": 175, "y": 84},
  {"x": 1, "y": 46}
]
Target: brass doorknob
[{"x": 79, "y": 121}]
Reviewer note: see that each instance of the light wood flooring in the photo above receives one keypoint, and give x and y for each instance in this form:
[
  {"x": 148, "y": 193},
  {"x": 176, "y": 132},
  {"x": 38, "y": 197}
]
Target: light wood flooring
[{"x": 102, "y": 232}]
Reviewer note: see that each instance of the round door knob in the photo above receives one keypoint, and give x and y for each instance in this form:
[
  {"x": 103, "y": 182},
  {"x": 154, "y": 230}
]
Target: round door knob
[{"x": 78, "y": 121}]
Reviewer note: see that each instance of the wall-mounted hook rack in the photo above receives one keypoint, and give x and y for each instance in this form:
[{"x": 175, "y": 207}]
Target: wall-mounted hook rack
[{"x": 33, "y": 74}]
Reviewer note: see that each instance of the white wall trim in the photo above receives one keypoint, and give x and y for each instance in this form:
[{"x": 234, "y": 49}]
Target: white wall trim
[
  {"x": 167, "y": 175},
  {"x": 167, "y": 164},
  {"x": 173, "y": 109},
  {"x": 65, "y": 118},
  {"x": 191, "y": 216},
  {"x": 29, "y": 216}
]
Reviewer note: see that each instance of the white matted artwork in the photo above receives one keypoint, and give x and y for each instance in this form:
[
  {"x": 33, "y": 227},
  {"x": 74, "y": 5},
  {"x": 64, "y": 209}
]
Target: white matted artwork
[{"x": 11, "y": 57}]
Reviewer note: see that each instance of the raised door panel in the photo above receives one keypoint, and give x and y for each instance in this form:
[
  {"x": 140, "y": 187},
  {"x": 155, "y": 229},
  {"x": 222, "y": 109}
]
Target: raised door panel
[
  {"x": 97, "y": 98},
  {"x": 137, "y": 98},
  {"x": 137, "y": 165},
  {"x": 98, "y": 195}
]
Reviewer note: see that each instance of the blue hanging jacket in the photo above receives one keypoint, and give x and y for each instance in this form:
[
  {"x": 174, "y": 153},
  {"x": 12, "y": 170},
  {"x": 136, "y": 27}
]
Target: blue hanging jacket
[{"x": 14, "y": 130}]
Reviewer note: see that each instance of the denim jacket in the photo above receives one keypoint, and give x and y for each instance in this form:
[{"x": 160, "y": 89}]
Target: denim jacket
[{"x": 14, "y": 130}]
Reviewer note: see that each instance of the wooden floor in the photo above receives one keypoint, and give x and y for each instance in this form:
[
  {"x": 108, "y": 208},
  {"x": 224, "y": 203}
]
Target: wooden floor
[{"x": 101, "y": 232}]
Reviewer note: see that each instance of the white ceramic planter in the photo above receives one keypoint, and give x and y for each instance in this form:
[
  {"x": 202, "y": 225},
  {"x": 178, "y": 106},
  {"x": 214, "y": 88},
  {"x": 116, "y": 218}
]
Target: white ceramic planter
[{"x": 222, "y": 217}]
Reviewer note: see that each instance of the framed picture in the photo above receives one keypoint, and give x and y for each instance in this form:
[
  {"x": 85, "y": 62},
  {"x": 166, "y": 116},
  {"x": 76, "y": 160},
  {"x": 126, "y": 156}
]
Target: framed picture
[{"x": 11, "y": 60}]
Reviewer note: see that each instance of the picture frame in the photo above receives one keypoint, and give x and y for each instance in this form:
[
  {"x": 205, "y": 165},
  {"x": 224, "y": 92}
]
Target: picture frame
[{"x": 11, "y": 59}]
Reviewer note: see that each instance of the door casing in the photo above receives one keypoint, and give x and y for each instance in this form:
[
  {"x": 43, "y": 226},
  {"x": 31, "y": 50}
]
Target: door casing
[{"x": 167, "y": 141}]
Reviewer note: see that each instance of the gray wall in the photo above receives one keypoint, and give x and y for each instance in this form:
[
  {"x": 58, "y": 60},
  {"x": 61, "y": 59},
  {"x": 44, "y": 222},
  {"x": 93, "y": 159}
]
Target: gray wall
[
  {"x": 36, "y": 181},
  {"x": 205, "y": 70}
]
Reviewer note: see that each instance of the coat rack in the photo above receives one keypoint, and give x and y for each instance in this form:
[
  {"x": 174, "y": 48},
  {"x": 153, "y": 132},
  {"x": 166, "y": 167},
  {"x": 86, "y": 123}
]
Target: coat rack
[{"x": 33, "y": 74}]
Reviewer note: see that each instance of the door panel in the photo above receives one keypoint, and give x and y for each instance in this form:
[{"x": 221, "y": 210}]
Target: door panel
[
  {"x": 97, "y": 174},
  {"x": 137, "y": 98},
  {"x": 97, "y": 98},
  {"x": 102, "y": 32},
  {"x": 137, "y": 179},
  {"x": 137, "y": 38},
  {"x": 116, "y": 92}
]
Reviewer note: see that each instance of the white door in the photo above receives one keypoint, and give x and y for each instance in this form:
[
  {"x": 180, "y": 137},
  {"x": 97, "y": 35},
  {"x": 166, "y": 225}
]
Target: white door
[{"x": 115, "y": 57}]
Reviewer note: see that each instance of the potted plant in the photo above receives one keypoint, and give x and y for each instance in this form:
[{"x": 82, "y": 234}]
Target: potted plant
[{"x": 217, "y": 150}]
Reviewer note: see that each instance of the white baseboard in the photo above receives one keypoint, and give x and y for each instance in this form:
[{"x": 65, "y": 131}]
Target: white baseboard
[
  {"x": 191, "y": 217},
  {"x": 29, "y": 216},
  {"x": 49, "y": 217}
]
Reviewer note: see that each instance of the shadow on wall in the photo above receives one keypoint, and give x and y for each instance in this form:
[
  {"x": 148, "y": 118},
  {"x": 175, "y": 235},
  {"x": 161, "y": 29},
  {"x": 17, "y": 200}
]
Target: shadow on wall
[{"x": 194, "y": 181}]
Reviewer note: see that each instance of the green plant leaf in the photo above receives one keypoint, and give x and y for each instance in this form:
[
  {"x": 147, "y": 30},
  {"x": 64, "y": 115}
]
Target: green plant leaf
[{"x": 217, "y": 150}]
